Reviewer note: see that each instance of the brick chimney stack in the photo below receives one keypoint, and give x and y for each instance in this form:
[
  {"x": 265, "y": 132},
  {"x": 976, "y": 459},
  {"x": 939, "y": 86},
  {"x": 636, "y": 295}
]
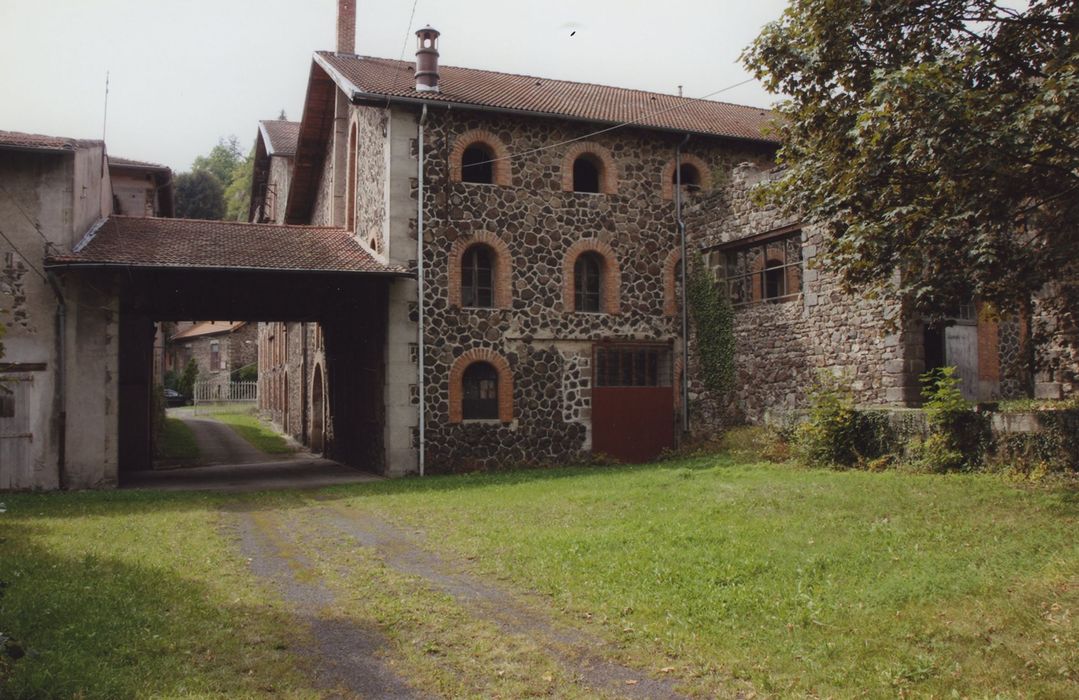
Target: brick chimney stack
[
  {"x": 427, "y": 60},
  {"x": 346, "y": 26}
]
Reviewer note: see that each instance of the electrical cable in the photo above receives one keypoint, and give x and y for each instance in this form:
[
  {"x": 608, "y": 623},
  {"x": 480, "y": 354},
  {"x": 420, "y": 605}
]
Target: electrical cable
[
  {"x": 404, "y": 46},
  {"x": 23, "y": 256}
]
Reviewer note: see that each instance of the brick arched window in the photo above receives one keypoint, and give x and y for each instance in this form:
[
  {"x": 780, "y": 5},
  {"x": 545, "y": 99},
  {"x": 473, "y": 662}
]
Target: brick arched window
[
  {"x": 581, "y": 261},
  {"x": 589, "y": 167},
  {"x": 672, "y": 282},
  {"x": 696, "y": 176},
  {"x": 478, "y": 156},
  {"x": 481, "y": 386},
  {"x": 480, "y": 272}
]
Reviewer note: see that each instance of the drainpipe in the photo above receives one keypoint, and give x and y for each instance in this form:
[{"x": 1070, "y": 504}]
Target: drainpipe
[
  {"x": 61, "y": 382},
  {"x": 419, "y": 286},
  {"x": 685, "y": 275}
]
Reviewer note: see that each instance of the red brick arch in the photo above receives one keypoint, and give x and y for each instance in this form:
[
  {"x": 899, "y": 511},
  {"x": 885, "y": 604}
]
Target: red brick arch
[
  {"x": 667, "y": 176},
  {"x": 502, "y": 263},
  {"x": 501, "y": 174},
  {"x": 670, "y": 283},
  {"x": 505, "y": 383},
  {"x": 611, "y": 285},
  {"x": 608, "y": 176}
]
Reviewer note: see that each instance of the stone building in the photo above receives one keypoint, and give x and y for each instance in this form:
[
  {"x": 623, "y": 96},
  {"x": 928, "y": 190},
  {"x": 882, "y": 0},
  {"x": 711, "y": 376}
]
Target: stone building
[{"x": 218, "y": 348}]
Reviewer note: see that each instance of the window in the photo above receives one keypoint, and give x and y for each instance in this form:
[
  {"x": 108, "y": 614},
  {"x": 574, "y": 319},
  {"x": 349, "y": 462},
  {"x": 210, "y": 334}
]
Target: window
[
  {"x": 477, "y": 288},
  {"x": 766, "y": 270},
  {"x": 691, "y": 177},
  {"x": 586, "y": 174},
  {"x": 480, "y": 392},
  {"x": 215, "y": 355},
  {"x": 7, "y": 402},
  {"x": 476, "y": 165},
  {"x": 625, "y": 366},
  {"x": 587, "y": 282}
]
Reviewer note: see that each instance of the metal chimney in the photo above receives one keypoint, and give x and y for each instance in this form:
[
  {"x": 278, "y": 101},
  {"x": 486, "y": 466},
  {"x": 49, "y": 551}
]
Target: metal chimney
[{"x": 427, "y": 60}]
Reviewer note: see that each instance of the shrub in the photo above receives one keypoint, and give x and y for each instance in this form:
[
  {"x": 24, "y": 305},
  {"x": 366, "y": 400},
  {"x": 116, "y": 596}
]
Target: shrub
[
  {"x": 958, "y": 436},
  {"x": 838, "y": 434},
  {"x": 186, "y": 384}
]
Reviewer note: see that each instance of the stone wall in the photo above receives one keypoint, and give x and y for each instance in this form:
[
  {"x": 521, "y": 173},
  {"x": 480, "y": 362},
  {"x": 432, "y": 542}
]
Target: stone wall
[
  {"x": 546, "y": 345},
  {"x": 371, "y": 177},
  {"x": 781, "y": 348}
]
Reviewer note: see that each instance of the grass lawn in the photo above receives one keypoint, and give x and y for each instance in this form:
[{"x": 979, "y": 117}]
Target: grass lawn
[
  {"x": 130, "y": 594},
  {"x": 250, "y": 428},
  {"x": 177, "y": 441},
  {"x": 727, "y": 574}
]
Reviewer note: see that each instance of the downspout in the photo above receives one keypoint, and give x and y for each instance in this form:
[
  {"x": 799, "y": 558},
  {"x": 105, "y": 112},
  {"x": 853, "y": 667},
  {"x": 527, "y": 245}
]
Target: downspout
[
  {"x": 685, "y": 275},
  {"x": 419, "y": 288},
  {"x": 61, "y": 382}
]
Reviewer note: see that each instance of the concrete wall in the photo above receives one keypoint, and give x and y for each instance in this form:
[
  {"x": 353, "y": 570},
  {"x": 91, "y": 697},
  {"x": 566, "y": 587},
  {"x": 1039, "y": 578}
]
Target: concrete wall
[{"x": 64, "y": 195}]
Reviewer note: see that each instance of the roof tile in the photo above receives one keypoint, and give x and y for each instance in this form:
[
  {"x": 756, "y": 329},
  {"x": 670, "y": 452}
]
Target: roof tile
[
  {"x": 600, "y": 103},
  {"x": 123, "y": 241},
  {"x": 281, "y": 136}
]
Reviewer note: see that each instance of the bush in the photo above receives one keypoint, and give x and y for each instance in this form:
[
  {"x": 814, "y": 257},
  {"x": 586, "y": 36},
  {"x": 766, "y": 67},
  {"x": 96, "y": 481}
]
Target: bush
[
  {"x": 157, "y": 416},
  {"x": 838, "y": 434},
  {"x": 186, "y": 384},
  {"x": 958, "y": 436}
]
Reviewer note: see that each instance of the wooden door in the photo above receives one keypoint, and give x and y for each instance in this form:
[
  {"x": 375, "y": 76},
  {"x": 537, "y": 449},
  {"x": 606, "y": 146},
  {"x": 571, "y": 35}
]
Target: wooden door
[{"x": 632, "y": 401}]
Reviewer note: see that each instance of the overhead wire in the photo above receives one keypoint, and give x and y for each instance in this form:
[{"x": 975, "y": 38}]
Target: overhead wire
[
  {"x": 24, "y": 257},
  {"x": 35, "y": 224},
  {"x": 404, "y": 47}
]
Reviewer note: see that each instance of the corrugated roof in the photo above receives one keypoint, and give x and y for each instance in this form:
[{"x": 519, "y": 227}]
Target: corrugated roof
[
  {"x": 122, "y": 241},
  {"x": 40, "y": 142},
  {"x": 116, "y": 161},
  {"x": 207, "y": 328},
  {"x": 381, "y": 77},
  {"x": 280, "y": 136}
]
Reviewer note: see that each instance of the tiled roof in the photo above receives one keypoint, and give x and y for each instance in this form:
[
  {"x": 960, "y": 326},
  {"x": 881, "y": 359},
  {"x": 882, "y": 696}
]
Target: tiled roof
[
  {"x": 129, "y": 163},
  {"x": 207, "y": 328},
  {"x": 280, "y": 136},
  {"x": 380, "y": 77},
  {"x": 40, "y": 142},
  {"x": 122, "y": 241}
]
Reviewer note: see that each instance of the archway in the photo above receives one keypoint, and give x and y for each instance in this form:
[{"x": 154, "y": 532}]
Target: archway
[{"x": 318, "y": 410}]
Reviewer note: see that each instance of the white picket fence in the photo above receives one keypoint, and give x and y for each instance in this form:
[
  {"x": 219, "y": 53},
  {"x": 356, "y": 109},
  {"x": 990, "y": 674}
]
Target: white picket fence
[{"x": 208, "y": 394}]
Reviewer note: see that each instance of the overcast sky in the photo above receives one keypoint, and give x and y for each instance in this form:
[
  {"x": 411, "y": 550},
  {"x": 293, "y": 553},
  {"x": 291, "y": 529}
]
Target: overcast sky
[{"x": 185, "y": 72}]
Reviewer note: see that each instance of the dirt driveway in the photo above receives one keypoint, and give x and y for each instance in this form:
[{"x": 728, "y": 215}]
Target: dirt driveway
[{"x": 305, "y": 557}]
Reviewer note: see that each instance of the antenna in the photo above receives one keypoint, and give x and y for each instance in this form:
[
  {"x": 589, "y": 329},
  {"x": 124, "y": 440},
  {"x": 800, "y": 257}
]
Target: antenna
[{"x": 105, "y": 119}]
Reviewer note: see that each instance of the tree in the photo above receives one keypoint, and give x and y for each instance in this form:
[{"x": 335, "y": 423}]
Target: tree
[
  {"x": 222, "y": 159},
  {"x": 238, "y": 191},
  {"x": 199, "y": 195},
  {"x": 936, "y": 137},
  {"x": 188, "y": 377}
]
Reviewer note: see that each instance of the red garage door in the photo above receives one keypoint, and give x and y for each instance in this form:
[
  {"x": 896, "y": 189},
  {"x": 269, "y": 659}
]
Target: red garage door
[{"x": 632, "y": 401}]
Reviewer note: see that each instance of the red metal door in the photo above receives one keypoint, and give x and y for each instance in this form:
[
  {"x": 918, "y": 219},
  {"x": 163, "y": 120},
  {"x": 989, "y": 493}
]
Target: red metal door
[{"x": 632, "y": 402}]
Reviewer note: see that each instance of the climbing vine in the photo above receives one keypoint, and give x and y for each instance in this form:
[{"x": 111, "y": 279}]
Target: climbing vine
[{"x": 713, "y": 318}]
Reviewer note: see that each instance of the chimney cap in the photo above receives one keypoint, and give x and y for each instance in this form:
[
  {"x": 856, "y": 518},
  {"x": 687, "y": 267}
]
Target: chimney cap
[{"x": 428, "y": 30}]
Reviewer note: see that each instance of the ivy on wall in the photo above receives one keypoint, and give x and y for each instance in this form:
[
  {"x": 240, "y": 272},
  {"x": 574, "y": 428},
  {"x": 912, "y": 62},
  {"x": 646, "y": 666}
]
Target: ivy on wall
[{"x": 713, "y": 318}]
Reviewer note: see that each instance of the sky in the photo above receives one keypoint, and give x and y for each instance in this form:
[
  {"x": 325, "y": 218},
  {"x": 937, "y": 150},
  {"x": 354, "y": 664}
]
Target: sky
[{"x": 184, "y": 73}]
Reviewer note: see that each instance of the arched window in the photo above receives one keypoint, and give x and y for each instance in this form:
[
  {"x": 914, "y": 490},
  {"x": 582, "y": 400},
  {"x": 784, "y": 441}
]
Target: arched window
[
  {"x": 774, "y": 280},
  {"x": 476, "y": 165},
  {"x": 586, "y": 173},
  {"x": 477, "y": 278},
  {"x": 691, "y": 177},
  {"x": 587, "y": 282},
  {"x": 479, "y": 392}
]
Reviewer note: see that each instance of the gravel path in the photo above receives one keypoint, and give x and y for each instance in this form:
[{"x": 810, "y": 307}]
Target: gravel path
[
  {"x": 346, "y": 659},
  {"x": 276, "y": 550},
  {"x": 219, "y": 444}
]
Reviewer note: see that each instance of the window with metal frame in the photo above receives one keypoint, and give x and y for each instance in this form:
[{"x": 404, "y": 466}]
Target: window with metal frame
[
  {"x": 215, "y": 355},
  {"x": 587, "y": 282},
  {"x": 477, "y": 166},
  {"x": 479, "y": 392},
  {"x": 477, "y": 278},
  {"x": 768, "y": 269},
  {"x": 632, "y": 365}
]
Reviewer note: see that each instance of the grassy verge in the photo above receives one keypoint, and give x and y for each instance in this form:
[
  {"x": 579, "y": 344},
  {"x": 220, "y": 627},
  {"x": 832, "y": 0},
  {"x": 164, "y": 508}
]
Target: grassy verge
[
  {"x": 135, "y": 595},
  {"x": 260, "y": 435},
  {"x": 177, "y": 441},
  {"x": 792, "y": 581}
]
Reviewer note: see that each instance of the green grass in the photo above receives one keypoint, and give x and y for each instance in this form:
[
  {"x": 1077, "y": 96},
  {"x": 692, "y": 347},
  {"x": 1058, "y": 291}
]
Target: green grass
[
  {"x": 129, "y": 594},
  {"x": 729, "y": 575},
  {"x": 256, "y": 432},
  {"x": 177, "y": 441},
  {"x": 791, "y": 581}
]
